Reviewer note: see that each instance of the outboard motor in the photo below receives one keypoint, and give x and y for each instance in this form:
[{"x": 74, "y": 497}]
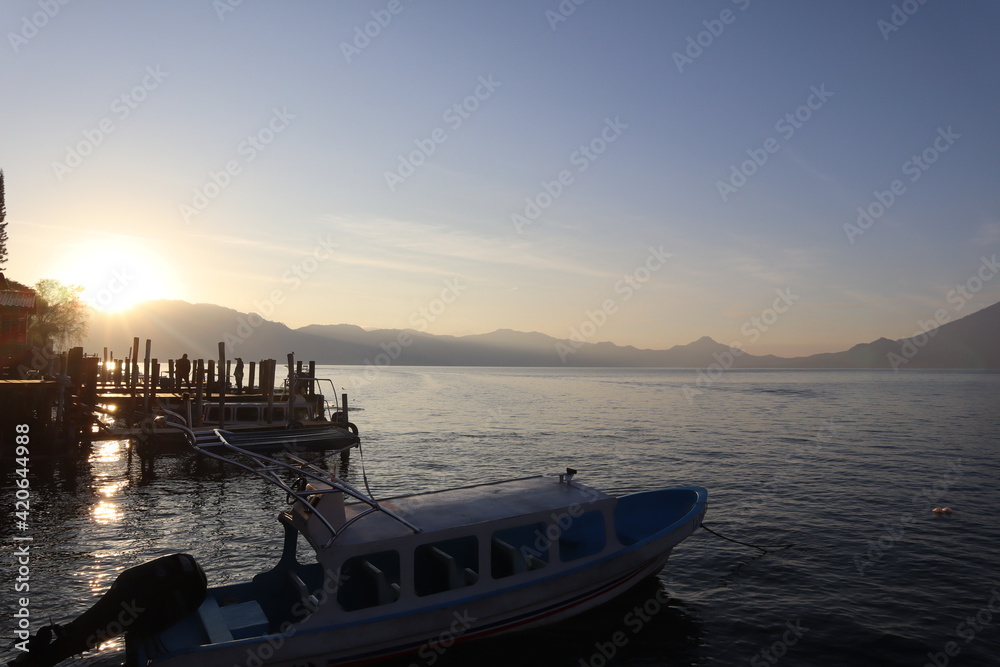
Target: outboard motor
[{"x": 145, "y": 598}]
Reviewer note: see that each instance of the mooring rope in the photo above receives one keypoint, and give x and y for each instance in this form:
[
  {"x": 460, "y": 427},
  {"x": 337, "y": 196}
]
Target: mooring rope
[
  {"x": 764, "y": 548},
  {"x": 364, "y": 475}
]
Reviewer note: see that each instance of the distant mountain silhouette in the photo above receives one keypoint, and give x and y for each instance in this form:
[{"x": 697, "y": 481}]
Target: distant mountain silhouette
[{"x": 178, "y": 327}]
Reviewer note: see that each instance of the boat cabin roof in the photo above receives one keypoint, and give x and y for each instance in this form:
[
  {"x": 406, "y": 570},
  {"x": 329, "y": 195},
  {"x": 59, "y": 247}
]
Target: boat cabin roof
[{"x": 466, "y": 506}]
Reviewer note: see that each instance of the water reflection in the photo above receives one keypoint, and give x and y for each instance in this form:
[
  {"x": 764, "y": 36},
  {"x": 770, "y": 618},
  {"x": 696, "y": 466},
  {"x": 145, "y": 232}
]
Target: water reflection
[
  {"x": 101, "y": 577},
  {"x": 107, "y": 451},
  {"x": 112, "y": 488},
  {"x": 107, "y": 481},
  {"x": 106, "y": 512}
]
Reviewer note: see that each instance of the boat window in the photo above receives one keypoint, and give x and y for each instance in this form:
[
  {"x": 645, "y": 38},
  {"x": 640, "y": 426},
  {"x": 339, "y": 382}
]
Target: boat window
[
  {"x": 443, "y": 566},
  {"x": 583, "y": 537},
  {"x": 246, "y": 414},
  {"x": 213, "y": 414},
  {"x": 369, "y": 580},
  {"x": 278, "y": 413},
  {"x": 519, "y": 549}
]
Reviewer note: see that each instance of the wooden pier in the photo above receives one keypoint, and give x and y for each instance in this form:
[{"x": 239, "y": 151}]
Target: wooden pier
[
  {"x": 36, "y": 403},
  {"x": 99, "y": 397}
]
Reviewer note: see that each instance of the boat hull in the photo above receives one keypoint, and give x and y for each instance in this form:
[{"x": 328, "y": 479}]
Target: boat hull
[{"x": 264, "y": 439}]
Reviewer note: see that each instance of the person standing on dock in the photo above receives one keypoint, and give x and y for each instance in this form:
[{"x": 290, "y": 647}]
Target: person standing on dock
[
  {"x": 238, "y": 374},
  {"x": 184, "y": 372}
]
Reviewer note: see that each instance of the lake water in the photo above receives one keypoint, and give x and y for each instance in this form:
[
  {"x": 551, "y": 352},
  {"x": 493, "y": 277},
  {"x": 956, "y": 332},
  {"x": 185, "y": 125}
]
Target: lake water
[{"x": 844, "y": 466}]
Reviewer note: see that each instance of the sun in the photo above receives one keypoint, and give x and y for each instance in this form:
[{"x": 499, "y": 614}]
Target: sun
[{"x": 115, "y": 276}]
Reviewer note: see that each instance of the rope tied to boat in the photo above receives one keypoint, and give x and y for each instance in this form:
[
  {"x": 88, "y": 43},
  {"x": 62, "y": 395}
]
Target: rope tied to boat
[
  {"x": 364, "y": 475},
  {"x": 767, "y": 548}
]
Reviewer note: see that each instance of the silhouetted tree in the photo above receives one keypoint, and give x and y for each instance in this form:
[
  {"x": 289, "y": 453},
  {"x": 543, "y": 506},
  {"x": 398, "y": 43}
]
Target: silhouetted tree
[
  {"x": 60, "y": 315},
  {"x": 3, "y": 225}
]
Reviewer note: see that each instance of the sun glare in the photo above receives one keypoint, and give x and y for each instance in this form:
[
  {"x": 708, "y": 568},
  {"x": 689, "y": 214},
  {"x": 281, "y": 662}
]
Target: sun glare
[{"x": 117, "y": 276}]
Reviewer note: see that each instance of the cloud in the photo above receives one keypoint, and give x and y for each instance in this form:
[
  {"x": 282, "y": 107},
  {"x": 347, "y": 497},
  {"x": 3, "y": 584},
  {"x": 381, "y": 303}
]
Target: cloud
[
  {"x": 436, "y": 248},
  {"x": 988, "y": 234}
]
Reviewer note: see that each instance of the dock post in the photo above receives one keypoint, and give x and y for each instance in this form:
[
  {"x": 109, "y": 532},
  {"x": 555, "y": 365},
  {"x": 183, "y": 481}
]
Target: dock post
[
  {"x": 134, "y": 378},
  {"x": 146, "y": 369},
  {"x": 86, "y": 388},
  {"x": 343, "y": 409},
  {"x": 199, "y": 378},
  {"x": 209, "y": 379},
  {"x": 269, "y": 387},
  {"x": 223, "y": 381},
  {"x": 291, "y": 387},
  {"x": 61, "y": 412},
  {"x": 134, "y": 370},
  {"x": 75, "y": 359},
  {"x": 253, "y": 365},
  {"x": 312, "y": 374}
]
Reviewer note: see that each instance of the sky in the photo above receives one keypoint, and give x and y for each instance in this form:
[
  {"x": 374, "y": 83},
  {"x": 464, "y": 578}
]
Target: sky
[{"x": 789, "y": 177}]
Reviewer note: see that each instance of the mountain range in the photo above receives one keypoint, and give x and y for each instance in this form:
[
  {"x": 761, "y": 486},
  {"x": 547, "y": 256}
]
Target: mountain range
[{"x": 178, "y": 327}]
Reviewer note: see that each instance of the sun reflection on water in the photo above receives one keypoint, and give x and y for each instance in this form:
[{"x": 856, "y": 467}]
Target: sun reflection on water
[
  {"x": 116, "y": 643},
  {"x": 106, "y": 512},
  {"x": 101, "y": 580},
  {"x": 112, "y": 488},
  {"x": 107, "y": 484},
  {"x": 107, "y": 451}
]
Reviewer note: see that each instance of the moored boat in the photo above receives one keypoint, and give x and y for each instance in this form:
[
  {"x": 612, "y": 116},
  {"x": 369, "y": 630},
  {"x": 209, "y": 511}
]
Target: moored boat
[
  {"x": 389, "y": 576},
  {"x": 322, "y": 437}
]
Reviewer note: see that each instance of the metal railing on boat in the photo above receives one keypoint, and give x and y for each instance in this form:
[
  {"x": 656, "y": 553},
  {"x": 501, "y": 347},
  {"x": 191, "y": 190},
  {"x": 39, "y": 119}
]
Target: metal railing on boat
[{"x": 224, "y": 446}]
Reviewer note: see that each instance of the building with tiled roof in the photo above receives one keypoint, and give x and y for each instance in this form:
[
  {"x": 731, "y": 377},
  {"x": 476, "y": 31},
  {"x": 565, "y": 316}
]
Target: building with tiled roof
[{"x": 17, "y": 302}]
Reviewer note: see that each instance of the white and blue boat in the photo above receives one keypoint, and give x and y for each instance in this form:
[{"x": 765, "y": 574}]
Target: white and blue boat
[{"x": 390, "y": 576}]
